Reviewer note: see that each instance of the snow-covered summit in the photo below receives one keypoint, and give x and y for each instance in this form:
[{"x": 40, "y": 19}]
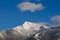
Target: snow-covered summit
[
  {"x": 37, "y": 26},
  {"x": 32, "y": 25}
]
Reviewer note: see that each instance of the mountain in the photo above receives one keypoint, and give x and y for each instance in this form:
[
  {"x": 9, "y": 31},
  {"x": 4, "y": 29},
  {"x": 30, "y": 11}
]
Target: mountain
[{"x": 30, "y": 31}]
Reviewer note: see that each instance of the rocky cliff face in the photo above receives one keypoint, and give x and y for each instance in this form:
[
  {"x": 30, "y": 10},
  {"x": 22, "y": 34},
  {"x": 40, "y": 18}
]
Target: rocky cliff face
[{"x": 31, "y": 31}]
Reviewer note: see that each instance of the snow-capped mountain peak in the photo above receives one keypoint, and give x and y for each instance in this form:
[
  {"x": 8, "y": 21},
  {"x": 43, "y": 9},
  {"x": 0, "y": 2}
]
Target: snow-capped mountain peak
[
  {"x": 29, "y": 28},
  {"x": 36, "y": 26}
]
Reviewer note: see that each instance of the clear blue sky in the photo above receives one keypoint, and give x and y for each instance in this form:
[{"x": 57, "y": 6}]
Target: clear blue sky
[{"x": 11, "y": 16}]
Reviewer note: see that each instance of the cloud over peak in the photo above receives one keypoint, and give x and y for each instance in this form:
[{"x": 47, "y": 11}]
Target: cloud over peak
[
  {"x": 56, "y": 20},
  {"x": 32, "y": 7}
]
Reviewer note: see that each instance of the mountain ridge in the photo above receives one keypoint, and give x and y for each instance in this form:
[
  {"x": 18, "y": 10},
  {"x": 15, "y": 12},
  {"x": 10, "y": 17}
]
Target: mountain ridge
[{"x": 26, "y": 31}]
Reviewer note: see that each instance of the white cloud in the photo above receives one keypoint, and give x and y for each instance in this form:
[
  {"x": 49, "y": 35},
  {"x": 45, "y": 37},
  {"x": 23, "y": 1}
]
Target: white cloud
[
  {"x": 56, "y": 20},
  {"x": 25, "y": 6}
]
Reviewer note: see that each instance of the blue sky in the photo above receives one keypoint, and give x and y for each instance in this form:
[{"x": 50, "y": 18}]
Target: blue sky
[{"x": 11, "y": 16}]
